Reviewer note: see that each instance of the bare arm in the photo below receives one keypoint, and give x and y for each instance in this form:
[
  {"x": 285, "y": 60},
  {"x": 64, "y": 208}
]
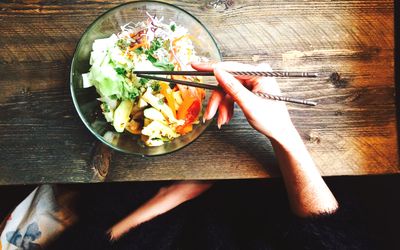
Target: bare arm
[
  {"x": 307, "y": 191},
  {"x": 166, "y": 199},
  {"x": 308, "y": 194}
]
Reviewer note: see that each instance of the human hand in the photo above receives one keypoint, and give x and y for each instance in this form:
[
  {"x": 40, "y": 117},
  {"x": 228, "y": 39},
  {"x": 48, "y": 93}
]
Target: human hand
[
  {"x": 166, "y": 199},
  {"x": 269, "y": 117}
]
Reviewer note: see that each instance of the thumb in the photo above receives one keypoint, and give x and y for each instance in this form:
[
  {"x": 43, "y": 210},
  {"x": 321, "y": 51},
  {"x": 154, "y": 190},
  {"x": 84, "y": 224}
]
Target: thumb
[{"x": 233, "y": 87}]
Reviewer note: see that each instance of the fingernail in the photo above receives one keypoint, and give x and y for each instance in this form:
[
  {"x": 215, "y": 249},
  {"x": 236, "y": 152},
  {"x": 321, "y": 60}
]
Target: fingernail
[
  {"x": 229, "y": 117},
  {"x": 205, "y": 116},
  {"x": 211, "y": 111},
  {"x": 221, "y": 119},
  {"x": 219, "y": 122}
]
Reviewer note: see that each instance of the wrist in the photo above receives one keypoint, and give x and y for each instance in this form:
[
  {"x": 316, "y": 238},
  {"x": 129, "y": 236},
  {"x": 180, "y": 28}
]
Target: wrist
[
  {"x": 290, "y": 145},
  {"x": 287, "y": 137}
]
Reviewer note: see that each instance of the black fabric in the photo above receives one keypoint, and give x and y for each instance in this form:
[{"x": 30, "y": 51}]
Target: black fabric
[
  {"x": 11, "y": 197},
  {"x": 232, "y": 215},
  {"x": 343, "y": 230}
]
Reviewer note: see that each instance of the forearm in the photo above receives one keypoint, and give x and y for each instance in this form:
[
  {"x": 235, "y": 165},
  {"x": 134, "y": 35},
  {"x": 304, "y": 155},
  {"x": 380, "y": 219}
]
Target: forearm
[
  {"x": 307, "y": 191},
  {"x": 166, "y": 199}
]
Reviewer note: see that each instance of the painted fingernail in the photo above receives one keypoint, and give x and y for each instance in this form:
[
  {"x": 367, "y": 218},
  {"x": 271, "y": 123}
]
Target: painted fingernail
[
  {"x": 222, "y": 117},
  {"x": 211, "y": 111},
  {"x": 230, "y": 115},
  {"x": 224, "y": 120},
  {"x": 219, "y": 121}
]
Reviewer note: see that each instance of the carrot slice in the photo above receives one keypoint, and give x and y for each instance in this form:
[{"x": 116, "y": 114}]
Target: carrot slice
[{"x": 167, "y": 92}]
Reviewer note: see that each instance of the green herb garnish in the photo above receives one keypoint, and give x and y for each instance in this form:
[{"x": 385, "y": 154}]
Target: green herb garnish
[
  {"x": 143, "y": 81},
  {"x": 106, "y": 109},
  {"x": 133, "y": 95},
  {"x": 155, "y": 44},
  {"x": 155, "y": 87},
  {"x": 173, "y": 27},
  {"x": 120, "y": 71},
  {"x": 164, "y": 65},
  {"x": 123, "y": 44},
  {"x": 151, "y": 58},
  {"x": 130, "y": 92},
  {"x": 139, "y": 50}
]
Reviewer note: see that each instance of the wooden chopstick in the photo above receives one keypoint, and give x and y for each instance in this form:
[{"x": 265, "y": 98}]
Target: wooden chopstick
[
  {"x": 216, "y": 87},
  {"x": 236, "y": 73}
]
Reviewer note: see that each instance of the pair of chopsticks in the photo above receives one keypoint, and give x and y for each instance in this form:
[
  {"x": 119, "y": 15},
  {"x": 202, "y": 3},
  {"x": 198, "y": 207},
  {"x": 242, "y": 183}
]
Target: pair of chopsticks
[{"x": 150, "y": 75}]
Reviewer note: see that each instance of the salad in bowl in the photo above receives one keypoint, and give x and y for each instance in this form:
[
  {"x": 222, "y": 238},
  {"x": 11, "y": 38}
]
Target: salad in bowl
[{"x": 157, "y": 111}]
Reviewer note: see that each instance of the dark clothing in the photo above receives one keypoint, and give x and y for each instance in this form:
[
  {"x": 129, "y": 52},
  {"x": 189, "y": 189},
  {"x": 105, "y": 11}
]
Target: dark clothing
[{"x": 231, "y": 215}]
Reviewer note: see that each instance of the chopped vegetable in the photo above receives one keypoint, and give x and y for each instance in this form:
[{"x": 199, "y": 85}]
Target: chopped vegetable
[
  {"x": 85, "y": 81},
  {"x": 189, "y": 112},
  {"x": 154, "y": 114},
  {"x": 164, "y": 108},
  {"x": 142, "y": 103},
  {"x": 167, "y": 92},
  {"x": 121, "y": 115},
  {"x": 157, "y": 129}
]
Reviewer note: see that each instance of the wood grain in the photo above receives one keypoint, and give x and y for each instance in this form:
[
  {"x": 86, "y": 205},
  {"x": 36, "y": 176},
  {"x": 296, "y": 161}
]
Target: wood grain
[
  {"x": 101, "y": 159},
  {"x": 351, "y": 132}
]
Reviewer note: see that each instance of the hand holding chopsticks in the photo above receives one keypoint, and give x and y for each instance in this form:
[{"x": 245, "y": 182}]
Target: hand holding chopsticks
[
  {"x": 150, "y": 75},
  {"x": 240, "y": 83},
  {"x": 270, "y": 118}
]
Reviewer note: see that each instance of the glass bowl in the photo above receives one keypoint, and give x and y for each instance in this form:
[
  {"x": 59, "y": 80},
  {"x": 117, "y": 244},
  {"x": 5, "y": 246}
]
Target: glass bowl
[{"x": 104, "y": 26}]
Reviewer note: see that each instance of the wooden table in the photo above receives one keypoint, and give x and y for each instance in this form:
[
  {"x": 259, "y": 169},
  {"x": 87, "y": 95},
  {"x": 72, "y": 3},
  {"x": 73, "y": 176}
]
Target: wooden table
[{"x": 351, "y": 132}]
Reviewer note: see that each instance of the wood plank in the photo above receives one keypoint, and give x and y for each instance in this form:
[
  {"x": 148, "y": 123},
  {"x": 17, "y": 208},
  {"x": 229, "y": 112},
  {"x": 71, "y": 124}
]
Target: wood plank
[{"x": 351, "y": 132}]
